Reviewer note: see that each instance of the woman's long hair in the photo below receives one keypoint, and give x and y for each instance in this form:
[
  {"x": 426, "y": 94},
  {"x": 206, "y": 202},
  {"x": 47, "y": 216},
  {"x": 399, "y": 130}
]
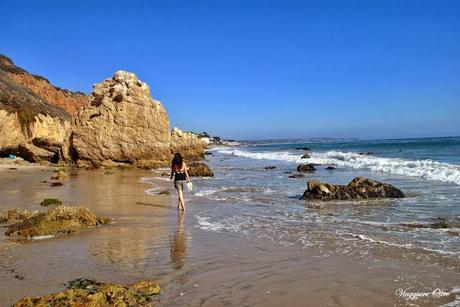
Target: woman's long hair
[{"x": 177, "y": 162}]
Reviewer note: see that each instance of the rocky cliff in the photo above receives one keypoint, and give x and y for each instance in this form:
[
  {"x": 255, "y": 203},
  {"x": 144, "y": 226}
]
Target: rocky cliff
[
  {"x": 69, "y": 101},
  {"x": 118, "y": 124},
  {"x": 31, "y": 126}
]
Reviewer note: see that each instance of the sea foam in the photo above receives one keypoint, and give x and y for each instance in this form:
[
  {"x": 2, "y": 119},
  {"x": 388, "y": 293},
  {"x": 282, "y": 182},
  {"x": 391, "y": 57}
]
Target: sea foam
[{"x": 426, "y": 169}]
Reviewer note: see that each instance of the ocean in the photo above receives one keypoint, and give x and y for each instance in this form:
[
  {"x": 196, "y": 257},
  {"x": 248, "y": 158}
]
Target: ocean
[{"x": 247, "y": 199}]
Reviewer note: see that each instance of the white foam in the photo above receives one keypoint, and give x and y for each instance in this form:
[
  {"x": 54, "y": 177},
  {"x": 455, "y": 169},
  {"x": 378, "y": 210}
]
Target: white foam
[
  {"x": 366, "y": 238},
  {"x": 206, "y": 192},
  {"x": 41, "y": 237},
  {"x": 408, "y": 245},
  {"x": 426, "y": 169},
  {"x": 274, "y": 155},
  {"x": 154, "y": 191},
  {"x": 205, "y": 224}
]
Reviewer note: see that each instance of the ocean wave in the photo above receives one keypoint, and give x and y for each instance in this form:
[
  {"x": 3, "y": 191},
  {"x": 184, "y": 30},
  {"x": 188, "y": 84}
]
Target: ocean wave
[{"x": 425, "y": 169}]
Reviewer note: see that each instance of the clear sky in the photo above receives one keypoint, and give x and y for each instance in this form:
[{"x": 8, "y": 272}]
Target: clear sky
[{"x": 258, "y": 69}]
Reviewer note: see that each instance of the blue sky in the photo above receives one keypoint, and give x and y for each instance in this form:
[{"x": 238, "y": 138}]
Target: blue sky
[{"x": 258, "y": 69}]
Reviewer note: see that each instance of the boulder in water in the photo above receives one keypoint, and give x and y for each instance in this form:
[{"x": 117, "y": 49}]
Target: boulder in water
[
  {"x": 298, "y": 175},
  {"x": 367, "y": 153},
  {"x": 309, "y": 167},
  {"x": 358, "y": 188},
  {"x": 305, "y": 156},
  {"x": 199, "y": 169}
]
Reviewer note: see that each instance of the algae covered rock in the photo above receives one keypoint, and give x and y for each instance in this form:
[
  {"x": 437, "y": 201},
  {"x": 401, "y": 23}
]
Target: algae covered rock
[
  {"x": 85, "y": 292},
  {"x": 61, "y": 219},
  {"x": 199, "y": 169},
  {"x": 358, "y": 188},
  {"x": 51, "y": 202}
]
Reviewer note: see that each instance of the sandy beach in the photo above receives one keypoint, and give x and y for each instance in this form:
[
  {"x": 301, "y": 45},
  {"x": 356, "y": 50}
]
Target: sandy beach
[{"x": 149, "y": 239}]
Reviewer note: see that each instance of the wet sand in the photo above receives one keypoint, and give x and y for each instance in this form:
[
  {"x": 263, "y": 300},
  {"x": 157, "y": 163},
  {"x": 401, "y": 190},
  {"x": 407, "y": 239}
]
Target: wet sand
[{"x": 150, "y": 239}]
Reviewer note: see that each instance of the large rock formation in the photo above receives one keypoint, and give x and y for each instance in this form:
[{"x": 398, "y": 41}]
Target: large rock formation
[
  {"x": 121, "y": 125},
  {"x": 358, "y": 188},
  {"x": 188, "y": 144}
]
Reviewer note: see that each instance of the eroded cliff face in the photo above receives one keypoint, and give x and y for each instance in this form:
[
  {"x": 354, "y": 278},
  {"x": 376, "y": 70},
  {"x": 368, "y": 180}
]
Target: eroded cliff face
[
  {"x": 30, "y": 126},
  {"x": 38, "y": 140},
  {"x": 67, "y": 100},
  {"x": 188, "y": 144},
  {"x": 122, "y": 125}
]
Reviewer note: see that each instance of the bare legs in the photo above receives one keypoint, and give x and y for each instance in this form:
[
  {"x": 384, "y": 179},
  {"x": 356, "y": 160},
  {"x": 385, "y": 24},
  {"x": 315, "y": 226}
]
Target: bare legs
[{"x": 180, "y": 200}]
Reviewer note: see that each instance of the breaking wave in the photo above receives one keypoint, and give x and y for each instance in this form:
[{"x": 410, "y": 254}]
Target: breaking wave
[{"x": 426, "y": 169}]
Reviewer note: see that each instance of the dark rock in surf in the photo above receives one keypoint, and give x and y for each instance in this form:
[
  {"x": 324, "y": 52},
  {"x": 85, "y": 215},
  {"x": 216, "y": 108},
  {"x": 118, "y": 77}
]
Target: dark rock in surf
[
  {"x": 368, "y": 153},
  {"x": 269, "y": 168},
  {"x": 358, "y": 188},
  {"x": 309, "y": 167},
  {"x": 298, "y": 175},
  {"x": 303, "y": 148},
  {"x": 305, "y": 156},
  {"x": 439, "y": 223},
  {"x": 330, "y": 168},
  {"x": 199, "y": 169}
]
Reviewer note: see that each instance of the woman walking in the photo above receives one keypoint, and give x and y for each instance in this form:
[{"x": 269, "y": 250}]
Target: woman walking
[{"x": 180, "y": 174}]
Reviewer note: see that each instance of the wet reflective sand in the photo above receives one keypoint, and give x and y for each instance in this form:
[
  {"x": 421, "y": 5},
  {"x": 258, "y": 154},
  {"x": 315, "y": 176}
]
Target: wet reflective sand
[{"x": 150, "y": 239}]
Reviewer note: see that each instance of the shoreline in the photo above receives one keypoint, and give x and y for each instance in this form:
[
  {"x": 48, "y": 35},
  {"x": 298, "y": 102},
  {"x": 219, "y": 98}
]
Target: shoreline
[{"x": 149, "y": 240}]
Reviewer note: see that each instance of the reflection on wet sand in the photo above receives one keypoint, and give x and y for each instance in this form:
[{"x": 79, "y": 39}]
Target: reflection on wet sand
[
  {"x": 129, "y": 245},
  {"x": 178, "y": 243}
]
